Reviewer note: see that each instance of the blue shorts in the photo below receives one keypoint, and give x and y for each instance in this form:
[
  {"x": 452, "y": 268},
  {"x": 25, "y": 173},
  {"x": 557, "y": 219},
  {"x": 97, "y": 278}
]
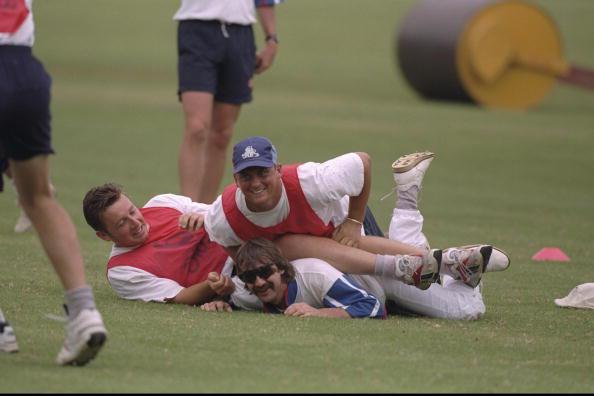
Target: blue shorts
[
  {"x": 216, "y": 58},
  {"x": 24, "y": 106}
]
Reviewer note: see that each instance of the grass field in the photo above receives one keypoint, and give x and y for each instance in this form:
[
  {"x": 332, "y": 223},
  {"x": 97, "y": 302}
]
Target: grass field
[{"x": 519, "y": 180}]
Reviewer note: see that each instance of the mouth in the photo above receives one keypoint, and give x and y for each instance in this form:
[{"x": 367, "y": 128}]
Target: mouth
[
  {"x": 258, "y": 191},
  {"x": 140, "y": 232},
  {"x": 263, "y": 290}
]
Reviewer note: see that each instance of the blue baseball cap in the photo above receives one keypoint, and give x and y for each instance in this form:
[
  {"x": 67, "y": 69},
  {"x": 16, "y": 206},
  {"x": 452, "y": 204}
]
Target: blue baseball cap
[{"x": 253, "y": 151}]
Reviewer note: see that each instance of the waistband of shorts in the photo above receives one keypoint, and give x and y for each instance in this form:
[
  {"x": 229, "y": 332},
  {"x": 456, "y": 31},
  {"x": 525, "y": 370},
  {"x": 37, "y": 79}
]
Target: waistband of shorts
[
  {"x": 213, "y": 22},
  {"x": 15, "y": 49}
]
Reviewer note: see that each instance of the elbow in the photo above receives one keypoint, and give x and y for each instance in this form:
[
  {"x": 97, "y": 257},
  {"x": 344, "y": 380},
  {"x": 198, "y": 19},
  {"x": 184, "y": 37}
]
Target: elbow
[{"x": 366, "y": 159}]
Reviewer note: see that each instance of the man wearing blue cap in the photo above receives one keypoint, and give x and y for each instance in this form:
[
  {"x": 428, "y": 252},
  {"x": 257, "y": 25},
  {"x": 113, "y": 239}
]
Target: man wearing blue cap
[{"x": 329, "y": 200}]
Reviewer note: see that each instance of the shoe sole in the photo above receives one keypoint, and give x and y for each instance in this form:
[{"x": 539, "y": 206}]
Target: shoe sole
[
  {"x": 409, "y": 161},
  {"x": 90, "y": 350},
  {"x": 10, "y": 348}
]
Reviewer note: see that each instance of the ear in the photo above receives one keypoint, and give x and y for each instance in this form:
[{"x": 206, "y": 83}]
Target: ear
[
  {"x": 236, "y": 179},
  {"x": 103, "y": 236},
  {"x": 279, "y": 168}
]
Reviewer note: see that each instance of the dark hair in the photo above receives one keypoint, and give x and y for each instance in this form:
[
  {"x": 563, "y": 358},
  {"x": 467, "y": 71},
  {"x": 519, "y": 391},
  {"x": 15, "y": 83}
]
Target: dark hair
[
  {"x": 262, "y": 251},
  {"x": 97, "y": 200}
]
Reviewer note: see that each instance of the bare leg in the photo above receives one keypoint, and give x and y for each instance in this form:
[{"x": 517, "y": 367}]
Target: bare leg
[
  {"x": 215, "y": 155},
  {"x": 85, "y": 332},
  {"x": 197, "y": 107},
  {"x": 346, "y": 259},
  {"x": 379, "y": 245},
  {"x": 56, "y": 230}
]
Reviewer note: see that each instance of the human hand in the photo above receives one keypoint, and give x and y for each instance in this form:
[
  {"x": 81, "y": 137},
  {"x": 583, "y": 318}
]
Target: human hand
[
  {"x": 191, "y": 221},
  {"x": 301, "y": 309},
  {"x": 220, "y": 284},
  {"x": 265, "y": 58},
  {"x": 348, "y": 233},
  {"x": 216, "y": 306}
]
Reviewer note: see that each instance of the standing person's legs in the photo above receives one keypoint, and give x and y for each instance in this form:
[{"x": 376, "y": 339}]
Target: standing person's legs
[
  {"x": 85, "y": 330},
  {"x": 55, "y": 229},
  {"x": 198, "y": 110},
  {"x": 224, "y": 117}
]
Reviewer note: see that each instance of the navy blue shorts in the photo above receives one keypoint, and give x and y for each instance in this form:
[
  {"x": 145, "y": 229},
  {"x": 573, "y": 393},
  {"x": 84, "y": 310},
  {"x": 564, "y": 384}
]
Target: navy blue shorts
[
  {"x": 24, "y": 105},
  {"x": 208, "y": 61}
]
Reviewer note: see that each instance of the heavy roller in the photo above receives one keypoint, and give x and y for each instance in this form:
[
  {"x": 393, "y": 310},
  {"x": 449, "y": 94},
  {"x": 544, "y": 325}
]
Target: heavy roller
[{"x": 495, "y": 53}]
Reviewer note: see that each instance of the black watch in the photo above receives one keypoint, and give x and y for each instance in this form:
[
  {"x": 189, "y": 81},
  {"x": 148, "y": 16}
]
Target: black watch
[{"x": 272, "y": 37}]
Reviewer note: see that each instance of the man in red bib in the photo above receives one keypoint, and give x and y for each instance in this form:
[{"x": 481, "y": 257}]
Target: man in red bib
[
  {"x": 326, "y": 200},
  {"x": 161, "y": 251}
]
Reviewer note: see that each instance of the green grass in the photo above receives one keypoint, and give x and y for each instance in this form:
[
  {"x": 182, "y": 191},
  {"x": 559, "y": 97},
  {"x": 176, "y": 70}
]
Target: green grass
[{"x": 520, "y": 180}]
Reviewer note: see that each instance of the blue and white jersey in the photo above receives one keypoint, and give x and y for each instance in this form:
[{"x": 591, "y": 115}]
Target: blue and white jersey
[{"x": 320, "y": 285}]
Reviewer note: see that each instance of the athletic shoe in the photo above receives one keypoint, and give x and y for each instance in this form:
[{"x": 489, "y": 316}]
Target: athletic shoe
[
  {"x": 23, "y": 224},
  {"x": 420, "y": 271},
  {"x": 499, "y": 261},
  {"x": 410, "y": 169},
  {"x": 468, "y": 263},
  {"x": 85, "y": 335},
  {"x": 8, "y": 342}
]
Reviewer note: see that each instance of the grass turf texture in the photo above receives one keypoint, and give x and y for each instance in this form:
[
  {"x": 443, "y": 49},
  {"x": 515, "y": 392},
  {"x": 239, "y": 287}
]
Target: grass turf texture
[{"x": 521, "y": 181}]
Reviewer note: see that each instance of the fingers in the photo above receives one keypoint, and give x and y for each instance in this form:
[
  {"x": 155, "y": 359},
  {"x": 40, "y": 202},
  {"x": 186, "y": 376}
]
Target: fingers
[
  {"x": 220, "y": 284},
  {"x": 213, "y": 276},
  {"x": 191, "y": 221},
  {"x": 216, "y": 306}
]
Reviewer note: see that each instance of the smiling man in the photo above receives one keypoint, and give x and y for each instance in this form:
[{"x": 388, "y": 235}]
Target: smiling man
[
  {"x": 306, "y": 287},
  {"x": 161, "y": 251}
]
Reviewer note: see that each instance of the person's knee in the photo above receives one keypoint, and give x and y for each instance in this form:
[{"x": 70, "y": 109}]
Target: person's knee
[
  {"x": 197, "y": 130},
  {"x": 472, "y": 311},
  {"x": 33, "y": 199},
  {"x": 221, "y": 138}
]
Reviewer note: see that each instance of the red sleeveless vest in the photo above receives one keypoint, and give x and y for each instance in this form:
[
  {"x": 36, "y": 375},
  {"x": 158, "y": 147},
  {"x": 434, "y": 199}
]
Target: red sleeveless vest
[
  {"x": 173, "y": 253},
  {"x": 12, "y": 15},
  {"x": 301, "y": 220}
]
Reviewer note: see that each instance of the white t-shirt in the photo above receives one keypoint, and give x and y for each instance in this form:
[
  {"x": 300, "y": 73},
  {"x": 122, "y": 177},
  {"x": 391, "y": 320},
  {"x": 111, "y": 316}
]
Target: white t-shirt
[
  {"x": 242, "y": 12},
  {"x": 25, "y": 35},
  {"x": 326, "y": 186},
  {"x": 136, "y": 284}
]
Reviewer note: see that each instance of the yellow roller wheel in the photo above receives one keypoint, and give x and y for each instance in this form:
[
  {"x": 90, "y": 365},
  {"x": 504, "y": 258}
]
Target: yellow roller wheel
[{"x": 509, "y": 55}]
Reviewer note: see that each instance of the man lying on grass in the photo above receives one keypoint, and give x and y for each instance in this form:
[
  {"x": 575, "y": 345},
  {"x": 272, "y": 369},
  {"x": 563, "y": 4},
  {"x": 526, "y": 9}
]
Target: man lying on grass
[
  {"x": 304, "y": 287},
  {"x": 311, "y": 287}
]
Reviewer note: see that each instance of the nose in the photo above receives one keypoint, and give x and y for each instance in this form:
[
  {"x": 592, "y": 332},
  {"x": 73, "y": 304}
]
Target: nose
[{"x": 259, "y": 281}]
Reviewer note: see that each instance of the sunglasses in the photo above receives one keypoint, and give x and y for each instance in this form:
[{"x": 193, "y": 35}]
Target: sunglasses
[{"x": 250, "y": 276}]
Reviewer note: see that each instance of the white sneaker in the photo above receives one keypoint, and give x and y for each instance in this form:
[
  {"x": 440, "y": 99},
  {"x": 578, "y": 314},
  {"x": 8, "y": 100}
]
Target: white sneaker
[
  {"x": 85, "y": 335},
  {"x": 468, "y": 263},
  {"x": 8, "y": 342},
  {"x": 410, "y": 169},
  {"x": 23, "y": 224},
  {"x": 498, "y": 261},
  {"x": 420, "y": 271}
]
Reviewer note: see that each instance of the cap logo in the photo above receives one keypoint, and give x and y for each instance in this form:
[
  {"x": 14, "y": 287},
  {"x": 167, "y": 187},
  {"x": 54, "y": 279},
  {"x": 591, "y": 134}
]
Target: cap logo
[{"x": 250, "y": 152}]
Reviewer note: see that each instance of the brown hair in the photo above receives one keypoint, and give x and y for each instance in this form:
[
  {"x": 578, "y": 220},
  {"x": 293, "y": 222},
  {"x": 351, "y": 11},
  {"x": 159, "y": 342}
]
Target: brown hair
[
  {"x": 97, "y": 200},
  {"x": 263, "y": 251}
]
